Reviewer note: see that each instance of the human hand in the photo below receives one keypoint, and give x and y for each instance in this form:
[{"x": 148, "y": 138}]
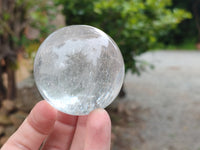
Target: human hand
[{"x": 60, "y": 131}]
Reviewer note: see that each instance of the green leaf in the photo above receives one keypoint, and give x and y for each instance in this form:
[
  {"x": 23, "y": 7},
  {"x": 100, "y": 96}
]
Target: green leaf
[{"x": 6, "y": 16}]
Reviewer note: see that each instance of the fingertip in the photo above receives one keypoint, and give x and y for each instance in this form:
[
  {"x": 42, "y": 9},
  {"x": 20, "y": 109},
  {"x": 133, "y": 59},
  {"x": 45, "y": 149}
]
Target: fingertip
[
  {"x": 98, "y": 130},
  {"x": 101, "y": 116}
]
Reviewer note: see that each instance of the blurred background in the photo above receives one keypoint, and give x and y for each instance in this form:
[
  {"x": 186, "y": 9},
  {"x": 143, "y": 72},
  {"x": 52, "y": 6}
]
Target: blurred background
[{"x": 158, "y": 107}]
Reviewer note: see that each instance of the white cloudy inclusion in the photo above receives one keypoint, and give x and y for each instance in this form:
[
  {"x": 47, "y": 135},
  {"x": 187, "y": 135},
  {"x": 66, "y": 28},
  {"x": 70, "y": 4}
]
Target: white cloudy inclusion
[{"x": 79, "y": 68}]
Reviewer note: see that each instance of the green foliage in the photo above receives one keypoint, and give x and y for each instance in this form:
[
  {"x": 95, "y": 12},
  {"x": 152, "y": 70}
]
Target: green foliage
[
  {"x": 43, "y": 13},
  {"x": 134, "y": 24},
  {"x": 188, "y": 44},
  {"x": 31, "y": 49},
  {"x": 21, "y": 14},
  {"x": 187, "y": 30}
]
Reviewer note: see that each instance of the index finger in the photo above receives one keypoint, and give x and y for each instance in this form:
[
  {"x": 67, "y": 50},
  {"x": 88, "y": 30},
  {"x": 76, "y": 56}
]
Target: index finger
[{"x": 34, "y": 129}]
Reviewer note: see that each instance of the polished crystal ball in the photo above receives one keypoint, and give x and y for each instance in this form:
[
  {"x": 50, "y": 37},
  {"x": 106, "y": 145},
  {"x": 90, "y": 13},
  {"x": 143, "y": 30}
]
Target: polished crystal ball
[{"x": 78, "y": 68}]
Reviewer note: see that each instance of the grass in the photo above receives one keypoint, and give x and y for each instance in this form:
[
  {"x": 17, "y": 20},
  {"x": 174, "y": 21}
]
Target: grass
[{"x": 189, "y": 44}]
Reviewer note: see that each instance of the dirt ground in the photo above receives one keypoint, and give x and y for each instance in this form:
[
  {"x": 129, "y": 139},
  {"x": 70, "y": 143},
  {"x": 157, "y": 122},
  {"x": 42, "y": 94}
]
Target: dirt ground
[{"x": 171, "y": 93}]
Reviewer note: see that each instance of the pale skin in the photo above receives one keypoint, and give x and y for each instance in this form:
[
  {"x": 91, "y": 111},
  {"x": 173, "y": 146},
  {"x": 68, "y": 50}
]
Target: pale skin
[{"x": 59, "y": 131}]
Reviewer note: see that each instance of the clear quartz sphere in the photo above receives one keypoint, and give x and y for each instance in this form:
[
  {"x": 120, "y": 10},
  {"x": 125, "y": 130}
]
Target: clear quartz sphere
[{"x": 78, "y": 68}]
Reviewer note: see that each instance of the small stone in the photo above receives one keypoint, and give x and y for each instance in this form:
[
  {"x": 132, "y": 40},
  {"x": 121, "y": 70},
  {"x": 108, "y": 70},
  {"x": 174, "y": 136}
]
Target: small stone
[
  {"x": 5, "y": 120},
  {"x": 8, "y": 105},
  {"x": 18, "y": 118}
]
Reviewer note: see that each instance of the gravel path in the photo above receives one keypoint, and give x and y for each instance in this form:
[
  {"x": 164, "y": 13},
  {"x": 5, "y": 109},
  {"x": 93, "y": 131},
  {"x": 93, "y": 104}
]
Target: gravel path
[{"x": 172, "y": 94}]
